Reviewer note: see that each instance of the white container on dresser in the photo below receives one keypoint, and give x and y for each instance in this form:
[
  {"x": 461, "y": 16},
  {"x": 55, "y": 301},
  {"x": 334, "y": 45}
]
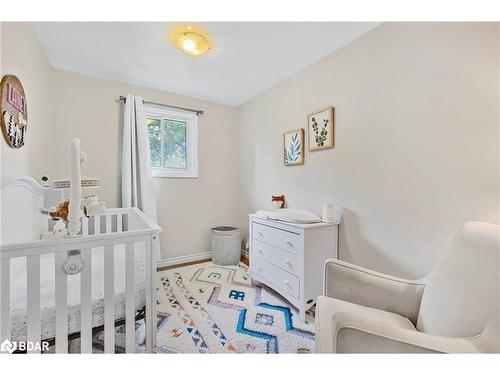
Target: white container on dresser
[{"x": 289, "y": 257}]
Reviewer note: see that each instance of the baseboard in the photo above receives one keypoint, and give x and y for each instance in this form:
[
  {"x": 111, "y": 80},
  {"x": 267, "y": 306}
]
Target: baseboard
[
  {"x": 184, "y": 259},
  {"x": 207, "y": 255}
]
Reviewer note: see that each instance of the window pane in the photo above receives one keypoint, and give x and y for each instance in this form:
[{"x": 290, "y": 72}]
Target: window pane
[
  {"x": 154, "y": 141},
  {"x": 174, "y": 145}
]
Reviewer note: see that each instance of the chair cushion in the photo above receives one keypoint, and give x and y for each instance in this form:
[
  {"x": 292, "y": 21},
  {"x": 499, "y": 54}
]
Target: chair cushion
[
  {"x": 461, "y": 294},
  {"x": 328, "y": 307}
]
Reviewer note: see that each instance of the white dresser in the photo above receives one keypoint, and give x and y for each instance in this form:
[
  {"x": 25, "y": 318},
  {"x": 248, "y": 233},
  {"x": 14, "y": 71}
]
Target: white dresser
[{"x": 289, "y": 257}]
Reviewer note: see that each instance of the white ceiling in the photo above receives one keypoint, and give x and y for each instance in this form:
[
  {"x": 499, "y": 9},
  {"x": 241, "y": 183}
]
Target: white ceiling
[{"x": 247, "y": 58}]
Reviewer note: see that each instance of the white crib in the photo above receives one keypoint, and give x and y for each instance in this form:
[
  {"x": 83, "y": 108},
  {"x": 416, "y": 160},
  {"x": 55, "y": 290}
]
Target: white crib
[{"x": 121, "y": 230}]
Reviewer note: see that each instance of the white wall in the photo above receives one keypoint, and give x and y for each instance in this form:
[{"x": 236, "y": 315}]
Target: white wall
[
  {"x": 22, "y": 56},
  {"x": 416, "y": 134}
]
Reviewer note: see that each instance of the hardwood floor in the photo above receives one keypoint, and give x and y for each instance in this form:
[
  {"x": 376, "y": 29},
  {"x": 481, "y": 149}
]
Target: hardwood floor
[{"x": 243, "y": 260}]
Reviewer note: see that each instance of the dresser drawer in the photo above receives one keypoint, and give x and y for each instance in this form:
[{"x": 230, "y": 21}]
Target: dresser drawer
[
  {"x": 284, "y": 260},
  {"x": 279, "y": 238},
  {"x": 281, "y": 280}
]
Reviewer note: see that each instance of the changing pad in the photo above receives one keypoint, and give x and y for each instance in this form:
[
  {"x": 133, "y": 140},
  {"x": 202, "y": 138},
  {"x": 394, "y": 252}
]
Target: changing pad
[{"x": 290, "y": 215}]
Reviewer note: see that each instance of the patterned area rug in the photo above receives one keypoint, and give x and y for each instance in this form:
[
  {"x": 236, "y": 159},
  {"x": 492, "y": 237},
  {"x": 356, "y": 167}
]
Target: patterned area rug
[{"x": 206, "y": 308}]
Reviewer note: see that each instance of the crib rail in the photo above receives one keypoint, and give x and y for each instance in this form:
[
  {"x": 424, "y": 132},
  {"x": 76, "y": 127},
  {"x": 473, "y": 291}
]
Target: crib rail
[{"x": 117, "y": 227}]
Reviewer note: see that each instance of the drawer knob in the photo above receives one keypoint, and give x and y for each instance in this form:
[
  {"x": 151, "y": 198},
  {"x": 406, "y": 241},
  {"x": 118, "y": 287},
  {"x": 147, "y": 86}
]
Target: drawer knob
[
  {"x": 287, "y": 283},
  {"x": 259, "y": 268},
  {"x": 260, "y": 251},
  {"x": 288, "y": 263},
  {"x": 289, "y": 243},
  {"x": 261, "y": 234}
]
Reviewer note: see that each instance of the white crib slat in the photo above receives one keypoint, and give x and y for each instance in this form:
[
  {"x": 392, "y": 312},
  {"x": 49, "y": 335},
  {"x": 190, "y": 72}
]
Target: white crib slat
[
  {"x": 126, "y": 223},
  {"x": 119, "y": 223},
  {"x": 109, "y": 297},
  {"x": 5, "y": 300},
  {"x": 86, "y": 302},
  {"x": 45, "y": 224},
  {"x": 97, "y": 225},
  {"x": 85, "y": 226},
  {"x": 150, "y": 316},
  {"x": 155, "y": 252},
  {"x": 61, "y": 304},
  {"x": 33, "y": 300},
  {"x": 130, "y": 297},
  {"x": 108, "y": 229}
]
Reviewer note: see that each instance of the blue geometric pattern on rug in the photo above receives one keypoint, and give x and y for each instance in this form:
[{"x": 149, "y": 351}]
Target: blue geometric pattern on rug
[
  {"x": 228, "y": 310},
  {"x": 272, "y": 341},
  {"x": 161, "y": 319},
  {"x": 214, "y": 297},
  {"x": 288, "y": 320},
  {"x": 189, "y": 325},
  {"x": 264, "y": 319},
  {"x": 197, "y": 306},
  {"x": 235, "y": 294},
  {"x": 272, "y": 344}
]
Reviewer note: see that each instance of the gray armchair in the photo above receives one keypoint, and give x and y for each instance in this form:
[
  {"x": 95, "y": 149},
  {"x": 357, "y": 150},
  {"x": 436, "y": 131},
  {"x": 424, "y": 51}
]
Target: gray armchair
[{"x": 455, "y": 309}]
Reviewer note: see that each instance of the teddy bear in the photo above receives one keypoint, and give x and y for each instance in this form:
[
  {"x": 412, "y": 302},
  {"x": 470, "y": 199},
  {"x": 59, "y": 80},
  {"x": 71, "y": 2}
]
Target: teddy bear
[
  {"x": 59, "y": 231},
  {"x": 61, "y": 211}
]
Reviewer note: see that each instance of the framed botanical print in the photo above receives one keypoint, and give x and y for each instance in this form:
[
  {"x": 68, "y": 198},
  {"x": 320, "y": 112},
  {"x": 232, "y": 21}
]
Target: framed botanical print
[
  {"x": 293, "y": 147},
  {"x": 320, "y": 129}
]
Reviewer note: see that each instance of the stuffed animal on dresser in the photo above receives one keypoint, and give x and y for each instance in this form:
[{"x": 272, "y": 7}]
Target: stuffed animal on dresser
[{"x": 278, "y": 201}]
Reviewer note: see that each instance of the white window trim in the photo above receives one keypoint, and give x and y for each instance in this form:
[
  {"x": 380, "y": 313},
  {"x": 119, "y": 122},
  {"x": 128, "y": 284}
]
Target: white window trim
[{"x": 191, "y": 120}]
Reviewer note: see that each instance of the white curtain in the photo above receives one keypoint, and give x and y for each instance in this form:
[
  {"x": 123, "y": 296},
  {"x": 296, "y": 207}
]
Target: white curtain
[{"x": 137, "y": 181}]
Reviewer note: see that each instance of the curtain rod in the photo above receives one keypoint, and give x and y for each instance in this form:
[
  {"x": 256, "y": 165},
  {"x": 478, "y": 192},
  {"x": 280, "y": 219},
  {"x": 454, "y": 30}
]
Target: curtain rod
[{"x": 197, "y": 111}]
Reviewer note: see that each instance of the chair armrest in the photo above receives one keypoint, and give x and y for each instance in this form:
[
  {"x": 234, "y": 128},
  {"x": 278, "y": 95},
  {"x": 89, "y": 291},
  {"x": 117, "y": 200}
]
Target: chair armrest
[
  {"x": 355, "y": 334},
  {"x": 355, "y": 284}
]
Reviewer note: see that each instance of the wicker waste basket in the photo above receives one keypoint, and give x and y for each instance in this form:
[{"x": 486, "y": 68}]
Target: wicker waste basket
[{"x": 226, "y": 246}]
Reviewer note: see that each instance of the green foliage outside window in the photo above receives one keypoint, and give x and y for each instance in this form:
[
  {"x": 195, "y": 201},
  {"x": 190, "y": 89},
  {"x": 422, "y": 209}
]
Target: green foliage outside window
[{"x": 167, "y": 142}]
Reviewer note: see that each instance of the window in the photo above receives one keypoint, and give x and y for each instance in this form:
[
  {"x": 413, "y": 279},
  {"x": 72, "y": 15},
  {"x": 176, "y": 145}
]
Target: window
[{"x": 173, "y": 142}]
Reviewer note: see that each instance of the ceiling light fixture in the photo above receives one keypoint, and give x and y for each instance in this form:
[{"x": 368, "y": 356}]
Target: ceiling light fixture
[{"x": 191, "y": 40}]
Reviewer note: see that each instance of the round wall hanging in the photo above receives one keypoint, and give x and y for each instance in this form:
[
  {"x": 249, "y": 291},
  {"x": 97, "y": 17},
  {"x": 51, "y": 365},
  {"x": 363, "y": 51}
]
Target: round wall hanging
[{"x": 14, "y": 110}]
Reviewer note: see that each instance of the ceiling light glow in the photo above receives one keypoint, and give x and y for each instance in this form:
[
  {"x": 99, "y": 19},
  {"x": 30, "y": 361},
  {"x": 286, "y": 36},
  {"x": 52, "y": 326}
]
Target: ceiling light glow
[
  {"x": 191, "y": 40},
  {"x": 189, "y": 45}
]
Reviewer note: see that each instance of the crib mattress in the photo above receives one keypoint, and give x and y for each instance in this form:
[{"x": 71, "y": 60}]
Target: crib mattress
[{"x": 18, "y": 292}]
